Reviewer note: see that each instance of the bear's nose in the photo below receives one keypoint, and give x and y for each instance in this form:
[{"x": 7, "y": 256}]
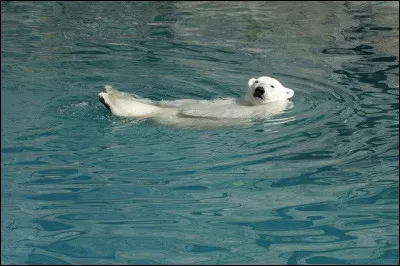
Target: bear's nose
[{"x": 259, "y": 91}]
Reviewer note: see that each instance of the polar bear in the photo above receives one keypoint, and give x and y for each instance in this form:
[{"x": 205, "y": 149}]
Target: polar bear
[{"x": 264, "y": 98}]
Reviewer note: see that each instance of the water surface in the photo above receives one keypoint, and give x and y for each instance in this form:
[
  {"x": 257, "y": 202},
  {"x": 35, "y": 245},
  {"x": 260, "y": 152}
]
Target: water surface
[{"x": 317, "y": 184}]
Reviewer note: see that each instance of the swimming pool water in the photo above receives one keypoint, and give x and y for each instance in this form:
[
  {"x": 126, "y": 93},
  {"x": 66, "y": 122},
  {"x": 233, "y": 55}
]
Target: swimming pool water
[{"x": 317, "y": 184}]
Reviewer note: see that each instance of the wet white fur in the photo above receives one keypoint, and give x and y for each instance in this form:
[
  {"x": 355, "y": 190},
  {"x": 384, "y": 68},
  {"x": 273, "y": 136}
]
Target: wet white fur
[{"x": 203, "y": 113}]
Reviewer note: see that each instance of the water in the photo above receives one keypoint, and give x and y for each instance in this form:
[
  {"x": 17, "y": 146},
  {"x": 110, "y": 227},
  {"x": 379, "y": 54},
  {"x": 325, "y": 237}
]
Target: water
[{"x": 317, "y": 184}]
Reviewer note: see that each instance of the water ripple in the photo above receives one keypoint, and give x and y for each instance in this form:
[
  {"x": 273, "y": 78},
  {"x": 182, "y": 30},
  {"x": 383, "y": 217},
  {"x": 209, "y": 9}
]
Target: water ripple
[{"x": 317, "y": 184}]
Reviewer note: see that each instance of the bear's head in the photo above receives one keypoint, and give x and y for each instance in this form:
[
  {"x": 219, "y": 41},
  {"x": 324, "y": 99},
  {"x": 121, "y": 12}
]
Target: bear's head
[{"x": 265, "y": 89}]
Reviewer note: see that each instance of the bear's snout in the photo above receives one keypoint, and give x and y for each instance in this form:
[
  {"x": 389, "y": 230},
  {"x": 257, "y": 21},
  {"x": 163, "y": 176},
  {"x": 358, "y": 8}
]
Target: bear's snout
[{"x": 259, "y": 92}]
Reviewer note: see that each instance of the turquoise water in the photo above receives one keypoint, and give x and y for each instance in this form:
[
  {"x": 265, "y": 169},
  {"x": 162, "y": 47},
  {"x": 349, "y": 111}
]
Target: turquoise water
[{"x": 317, "y": 184}]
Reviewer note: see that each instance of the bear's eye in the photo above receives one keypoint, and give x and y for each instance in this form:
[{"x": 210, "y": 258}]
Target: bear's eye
[
  {"x": 272, "y": 86},
  {"x": 256, "y": 81}
]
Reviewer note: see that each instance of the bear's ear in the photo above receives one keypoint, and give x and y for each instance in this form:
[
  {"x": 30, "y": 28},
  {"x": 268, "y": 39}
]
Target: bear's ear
[
  {"x": 251, "y": 82},
  {"x": 289, "y": 93}
]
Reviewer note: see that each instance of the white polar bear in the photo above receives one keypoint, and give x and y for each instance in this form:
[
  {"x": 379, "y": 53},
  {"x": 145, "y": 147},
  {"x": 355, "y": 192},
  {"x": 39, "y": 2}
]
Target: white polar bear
[{"x": 265, "y": 97}]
